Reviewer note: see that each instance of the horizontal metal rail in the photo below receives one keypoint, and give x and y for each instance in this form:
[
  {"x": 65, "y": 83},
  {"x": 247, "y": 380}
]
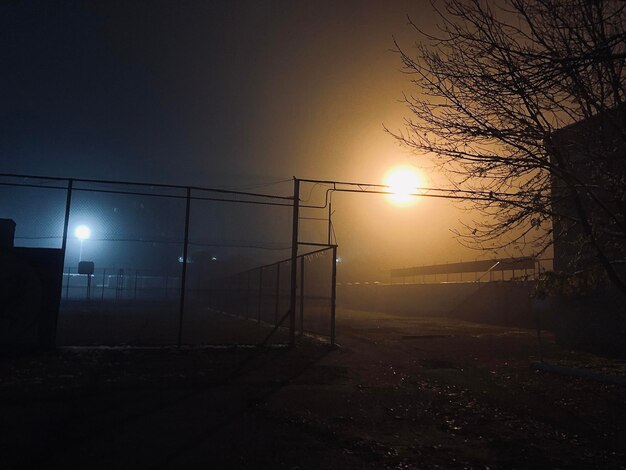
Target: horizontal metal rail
[{"x": 152, "y": 185}]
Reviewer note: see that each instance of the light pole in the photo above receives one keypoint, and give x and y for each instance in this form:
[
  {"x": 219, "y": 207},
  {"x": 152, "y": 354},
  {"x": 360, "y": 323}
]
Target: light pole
[{"x": 82, "y": 232}]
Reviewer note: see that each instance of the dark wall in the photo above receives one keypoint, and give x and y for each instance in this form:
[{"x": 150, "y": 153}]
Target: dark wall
[
  {"x": 30, "y": 286},
  {"x": 594, "y": 322}
]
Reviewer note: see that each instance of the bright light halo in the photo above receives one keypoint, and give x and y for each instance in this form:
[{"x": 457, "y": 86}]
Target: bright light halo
[
  {"x": 403, "y": 181},
  {"x": 82, "y": 232}
]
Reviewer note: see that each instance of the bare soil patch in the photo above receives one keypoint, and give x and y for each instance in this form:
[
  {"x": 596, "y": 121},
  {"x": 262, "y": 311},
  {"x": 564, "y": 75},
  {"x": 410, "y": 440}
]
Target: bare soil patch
[{"x": 399, "y": 392}]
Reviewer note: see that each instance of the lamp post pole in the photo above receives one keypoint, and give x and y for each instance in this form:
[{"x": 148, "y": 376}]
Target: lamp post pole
[{"x": 294, "y": 260}]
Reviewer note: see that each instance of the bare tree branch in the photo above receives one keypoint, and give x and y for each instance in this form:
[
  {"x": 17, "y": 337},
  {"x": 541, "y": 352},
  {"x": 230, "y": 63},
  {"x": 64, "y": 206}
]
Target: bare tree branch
[{"x": 524, "y": 101}]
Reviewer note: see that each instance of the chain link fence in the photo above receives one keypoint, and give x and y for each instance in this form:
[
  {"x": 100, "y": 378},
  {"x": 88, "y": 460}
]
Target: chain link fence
[
  {"x": 171, "y": 265},
  {"x": 262, "y": 294}
]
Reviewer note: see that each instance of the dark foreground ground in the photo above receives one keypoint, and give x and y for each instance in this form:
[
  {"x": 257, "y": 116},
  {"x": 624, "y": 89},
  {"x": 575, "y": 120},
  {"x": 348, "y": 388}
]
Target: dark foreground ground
[{"x": 398, "y": 393}]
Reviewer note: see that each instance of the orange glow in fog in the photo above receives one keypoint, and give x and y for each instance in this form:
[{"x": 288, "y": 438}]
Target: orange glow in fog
[{"x": 403, "y": 181}]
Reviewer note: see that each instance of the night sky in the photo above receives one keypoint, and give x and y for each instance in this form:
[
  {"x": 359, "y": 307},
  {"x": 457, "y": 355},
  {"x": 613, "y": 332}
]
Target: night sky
[
  {"x": 228, "y": 95},
  {"x": 200, "y": 92}
]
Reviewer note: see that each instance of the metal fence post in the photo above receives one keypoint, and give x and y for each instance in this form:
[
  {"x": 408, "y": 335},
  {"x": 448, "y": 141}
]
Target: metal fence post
[
  {"x": 260, "y": 294},
  {"x": 277, "y": 294},
  {"x": 66, "y": 223},
  {"x": 89, "y": 276},
  {"x": 302, "y": 296},
  {"x": 67, "y": 284},
  {"x": 66, "y": 220},
  {"x": 330, "y": 215},
  {"x": 333, "y": 297},
  {"x": 119, "y": 285},
  {"x": 104, "y": 272},
  {"x": 183, "y": 277},
  {"x": 294, "y": 260}
]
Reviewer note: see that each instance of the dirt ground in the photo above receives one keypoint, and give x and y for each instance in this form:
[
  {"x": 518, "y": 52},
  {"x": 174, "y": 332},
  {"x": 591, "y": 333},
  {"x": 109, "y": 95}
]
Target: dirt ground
[{"x": 397, "y": 392}]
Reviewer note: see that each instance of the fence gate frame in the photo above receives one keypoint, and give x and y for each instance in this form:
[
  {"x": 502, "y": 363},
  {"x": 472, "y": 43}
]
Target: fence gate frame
[
  {"x": 294, "y": 201},
  {"x": 350, "y": 187}
]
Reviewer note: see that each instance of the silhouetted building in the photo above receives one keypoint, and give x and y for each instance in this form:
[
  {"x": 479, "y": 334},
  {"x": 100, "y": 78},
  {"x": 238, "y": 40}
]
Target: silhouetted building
[
  {"x": 589, "y": 196},
  {"x": 30, "y": 286},
  {"x": 7, "y": 233}
]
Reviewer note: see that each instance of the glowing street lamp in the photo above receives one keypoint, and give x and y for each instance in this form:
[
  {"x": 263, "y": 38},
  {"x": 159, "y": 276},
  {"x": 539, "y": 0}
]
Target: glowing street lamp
[
  {"x": 82, "y": 232},
  {"x": 403, "y": 182}
]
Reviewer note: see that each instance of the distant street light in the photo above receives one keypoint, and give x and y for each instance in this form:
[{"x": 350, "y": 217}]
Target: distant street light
[{"x": 82, "y": 232}]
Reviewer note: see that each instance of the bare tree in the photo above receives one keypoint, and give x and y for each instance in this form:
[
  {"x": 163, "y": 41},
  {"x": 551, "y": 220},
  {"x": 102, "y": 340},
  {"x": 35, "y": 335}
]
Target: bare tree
[{"x": 523, "y": 103}]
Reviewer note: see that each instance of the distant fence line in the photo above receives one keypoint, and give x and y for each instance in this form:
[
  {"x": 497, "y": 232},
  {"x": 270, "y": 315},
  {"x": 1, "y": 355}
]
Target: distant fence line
[
  {"x": 168, "y": 236},
  {"x": 112, "y": 283},
  {"x": 480, "y": 270},
  {"x": 261, "y": 293}
]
